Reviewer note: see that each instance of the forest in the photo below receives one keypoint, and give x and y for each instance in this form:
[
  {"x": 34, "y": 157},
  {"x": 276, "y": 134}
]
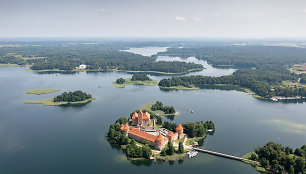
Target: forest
[
  {"x": 265, "y": 82},
  {"x": 66, "y": 56},
  {"x": 277, "y": 158},
  {"x": 243, "y": 56},
  {"x": 140, "y": 77},
  {"x": 160, "y": 106},
  {"x": 72, "y": 97}
]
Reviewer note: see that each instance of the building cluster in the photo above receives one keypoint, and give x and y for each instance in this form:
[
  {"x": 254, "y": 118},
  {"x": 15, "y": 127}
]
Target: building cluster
[{"x": 136, "y": 132}]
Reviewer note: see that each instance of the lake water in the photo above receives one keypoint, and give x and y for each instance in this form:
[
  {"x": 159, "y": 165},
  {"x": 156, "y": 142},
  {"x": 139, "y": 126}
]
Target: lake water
[{"x": 39, "y": 139}]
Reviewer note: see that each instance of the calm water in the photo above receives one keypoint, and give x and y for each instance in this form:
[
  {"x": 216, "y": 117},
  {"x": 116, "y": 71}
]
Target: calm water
[{"x": 49, "y": 139}]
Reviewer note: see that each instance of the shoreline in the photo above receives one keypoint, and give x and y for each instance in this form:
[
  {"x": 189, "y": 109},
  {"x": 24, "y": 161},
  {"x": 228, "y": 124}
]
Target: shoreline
[
  {"x": 41, "y": 91},
  {"x": 50, "y": 102},
  {"x": 116, "y": 70},
  {"x": 128, "y": 81}
]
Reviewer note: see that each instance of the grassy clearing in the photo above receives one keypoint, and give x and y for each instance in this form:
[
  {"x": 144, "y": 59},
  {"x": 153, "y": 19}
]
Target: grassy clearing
[
  {"x": 174, "y": 157},
  {"x": 50, "y": 102},
  {"x": 190, "y": 141},
  {"x": 260, "y": 169},
  {"x": 128, "y": 81},
  {"x": 180, "y": 88},
  {"x": 148, "y": 107},
  {"x": 247, "y": 90},
  {"x": 2, "y": 64},
  {"x": 41, "y": 91}
]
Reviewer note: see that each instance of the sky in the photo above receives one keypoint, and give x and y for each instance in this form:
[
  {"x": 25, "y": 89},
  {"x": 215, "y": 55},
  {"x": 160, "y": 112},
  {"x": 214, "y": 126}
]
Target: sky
[{"x": 153, "y": 18}]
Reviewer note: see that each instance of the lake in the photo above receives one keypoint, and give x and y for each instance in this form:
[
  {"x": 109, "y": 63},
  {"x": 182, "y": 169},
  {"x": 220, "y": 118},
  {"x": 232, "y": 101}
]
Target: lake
[{"x": 39, "y": 139}]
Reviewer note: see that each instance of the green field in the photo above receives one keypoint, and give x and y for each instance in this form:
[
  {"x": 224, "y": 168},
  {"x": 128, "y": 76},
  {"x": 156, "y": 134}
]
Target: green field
[
  {"x": 148, "y": 107},
  {"x": 41, "y": 91},
  {"x": 180, "y": 88},
  {"x": 128, "y": 81},
  {"x": 1, "y": 64},
  {"x": 174, "y": 157},
  {"x": 50, "y": 102}
]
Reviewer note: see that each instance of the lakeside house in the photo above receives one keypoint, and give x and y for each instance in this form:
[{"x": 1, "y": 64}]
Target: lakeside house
[
  {"x": 158, "y": 141},
  {"x": 82, "y": 66}
]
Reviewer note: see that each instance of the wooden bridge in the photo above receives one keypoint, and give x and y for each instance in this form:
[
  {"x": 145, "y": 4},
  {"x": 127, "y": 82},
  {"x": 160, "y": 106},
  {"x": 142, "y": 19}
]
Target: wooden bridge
[{"x": 224, "y": 155}]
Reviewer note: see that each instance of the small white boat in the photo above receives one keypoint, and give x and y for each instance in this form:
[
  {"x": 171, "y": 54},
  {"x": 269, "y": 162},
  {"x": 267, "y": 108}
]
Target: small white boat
[{"x": 192, "y": 154}]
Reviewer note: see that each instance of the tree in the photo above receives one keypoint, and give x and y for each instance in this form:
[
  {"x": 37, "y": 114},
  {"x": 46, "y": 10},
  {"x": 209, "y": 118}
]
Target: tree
[
  {"x": 163, "y": 152},
  {"x": 120, "y": 81},
  {"x": 300, "y": 165},
  {"x": 159, "y": 121},
  {"x": 181, "y": 148},
  {"x": 264, "y": 162},
  {"x": 147, "y": 153},
  {"x": 170, "y": 149}
]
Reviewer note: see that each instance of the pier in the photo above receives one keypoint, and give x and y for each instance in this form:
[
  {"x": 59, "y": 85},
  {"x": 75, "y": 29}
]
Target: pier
[{"x": 224, "y": 155}]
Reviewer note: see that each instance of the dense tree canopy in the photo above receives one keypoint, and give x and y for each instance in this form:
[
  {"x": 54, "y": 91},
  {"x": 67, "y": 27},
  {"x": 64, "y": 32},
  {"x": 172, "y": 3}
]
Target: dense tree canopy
[
  {"x": 263, "y": 81},
  {"x": 281, "y": 159},
  {"x": 66, "y": 56},
  {"x": 72, "y": 97},
  {"x": 140, "y": 77},
  {"x": 243, "y": 56},
  {"x": 160, "y": 106}
]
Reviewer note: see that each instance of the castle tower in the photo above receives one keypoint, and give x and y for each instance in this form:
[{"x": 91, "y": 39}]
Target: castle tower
[
  {"x": 135, "y": 119},
  {"x": 170, "y": 136},
  {"x": 159, "y": 142},
  {"x": 140, "y": 118},
  {"x": 126, "y": 128},
  {"x": 179, "y": 131}
]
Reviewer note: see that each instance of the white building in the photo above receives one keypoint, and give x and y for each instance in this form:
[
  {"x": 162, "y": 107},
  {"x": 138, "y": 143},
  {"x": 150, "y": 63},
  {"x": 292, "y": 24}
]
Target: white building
[{"x": 82, "y": 66}]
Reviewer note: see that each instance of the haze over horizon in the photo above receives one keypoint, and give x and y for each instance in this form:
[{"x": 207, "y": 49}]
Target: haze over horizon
[{"x": 170, "y": 18}]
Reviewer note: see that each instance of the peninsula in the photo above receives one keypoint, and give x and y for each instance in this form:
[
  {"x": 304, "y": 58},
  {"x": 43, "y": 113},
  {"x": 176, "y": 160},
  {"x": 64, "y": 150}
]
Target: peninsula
[
  {"x": 276, "y": 158},
  {"x": 159, "y": 109}
]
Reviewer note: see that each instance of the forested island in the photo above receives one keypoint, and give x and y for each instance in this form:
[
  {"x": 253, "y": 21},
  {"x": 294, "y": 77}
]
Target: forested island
[
  {"x": 155, "y": 139},
  {"x": 276, "y": 158},
  {"x": 97, "y": 57},
  {"x": 137, "y": 79},
  {"x": 73, "y": 98}
]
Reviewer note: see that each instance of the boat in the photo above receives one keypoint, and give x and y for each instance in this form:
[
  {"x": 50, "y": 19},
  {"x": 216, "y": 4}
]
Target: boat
[
  {"x": 192, "y": 154},
  {"x": 191, "y": 111}
]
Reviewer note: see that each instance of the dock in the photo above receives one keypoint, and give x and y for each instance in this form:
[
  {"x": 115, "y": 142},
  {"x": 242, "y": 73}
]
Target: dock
[{"x": 224, "y": 155}]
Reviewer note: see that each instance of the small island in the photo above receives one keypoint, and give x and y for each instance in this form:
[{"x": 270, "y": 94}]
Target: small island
[
  {"x": 41, "y": 91},
  {"x": 276, "y": 158},
  {"x": 159, "y": 109},
  {"x": 146, "y": 136},
  {"x": 137, "y": 79},
  {"x": 76, "y": 97}
]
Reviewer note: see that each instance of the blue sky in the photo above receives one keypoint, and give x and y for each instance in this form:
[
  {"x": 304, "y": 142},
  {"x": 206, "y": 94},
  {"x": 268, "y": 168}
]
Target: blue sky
[{"x": 158, "y": 18}]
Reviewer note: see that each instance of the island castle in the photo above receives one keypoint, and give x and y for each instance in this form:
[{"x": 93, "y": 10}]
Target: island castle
[{"x": 158, "y": 141}]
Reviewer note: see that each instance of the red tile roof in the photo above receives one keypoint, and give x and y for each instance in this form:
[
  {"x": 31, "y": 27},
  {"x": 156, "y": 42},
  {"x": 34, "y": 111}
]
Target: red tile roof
[
  {"x": 179, "y": 127},
  {"x": 143, "y": 135},
  {"x": 160, "y": 138}
]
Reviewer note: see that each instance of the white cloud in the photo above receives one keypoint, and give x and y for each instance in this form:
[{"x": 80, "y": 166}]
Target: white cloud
[
  {"x": 180, "y": 18},
  {"x": 216, "y": 14},
  {"x": 197, "y": 19},
  {"x": 304, "y": 10},
  {"x": 102, "y": 10}
]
